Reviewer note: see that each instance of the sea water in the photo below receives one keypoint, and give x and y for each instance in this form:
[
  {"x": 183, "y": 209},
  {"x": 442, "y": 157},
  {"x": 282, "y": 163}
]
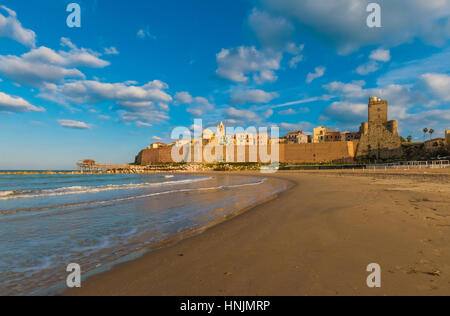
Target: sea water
[{"x": 49, "y": 221}]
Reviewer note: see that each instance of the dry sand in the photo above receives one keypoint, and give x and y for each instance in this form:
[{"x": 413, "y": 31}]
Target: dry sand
[{"x": 314, "y": 239}]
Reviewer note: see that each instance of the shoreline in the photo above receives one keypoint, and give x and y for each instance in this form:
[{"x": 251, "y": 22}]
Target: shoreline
[{"x": 300, "y": 244}]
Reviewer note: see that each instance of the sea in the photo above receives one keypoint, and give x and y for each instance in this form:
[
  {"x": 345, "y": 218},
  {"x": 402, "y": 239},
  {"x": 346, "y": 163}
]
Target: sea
[{"x": 48, "y": 221}]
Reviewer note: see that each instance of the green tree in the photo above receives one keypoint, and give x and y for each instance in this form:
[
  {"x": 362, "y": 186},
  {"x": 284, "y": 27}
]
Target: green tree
[
  {"x": 425, "y": 131},
  {"x": 431, "y": 131}
]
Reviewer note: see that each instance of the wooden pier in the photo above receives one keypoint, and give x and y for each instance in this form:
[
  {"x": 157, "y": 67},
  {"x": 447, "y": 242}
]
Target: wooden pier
[{"x": 89, "y": 165}]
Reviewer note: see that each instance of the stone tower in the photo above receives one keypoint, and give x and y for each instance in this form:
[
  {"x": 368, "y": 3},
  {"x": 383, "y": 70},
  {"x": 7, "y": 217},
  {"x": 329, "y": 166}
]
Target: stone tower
[
  {"x": 378, "y": 111},
  {"x": 379, "y": 137}
]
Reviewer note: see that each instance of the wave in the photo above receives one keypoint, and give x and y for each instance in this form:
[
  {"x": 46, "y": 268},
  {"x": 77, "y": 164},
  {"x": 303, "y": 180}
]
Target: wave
[
  {"x": 223, "y": 187},
  {"x": 10, "y": 195},
  {"x": 6, "y": 193}
]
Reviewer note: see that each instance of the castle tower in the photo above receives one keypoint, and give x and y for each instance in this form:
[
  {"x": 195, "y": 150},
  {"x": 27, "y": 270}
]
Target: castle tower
[
  {"x": 379, "y": 137},
  {"x": 378, "y": 111}
]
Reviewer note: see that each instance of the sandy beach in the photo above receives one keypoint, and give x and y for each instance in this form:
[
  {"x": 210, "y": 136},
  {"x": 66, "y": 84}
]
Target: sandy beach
[{"x": 317, "y": 238}]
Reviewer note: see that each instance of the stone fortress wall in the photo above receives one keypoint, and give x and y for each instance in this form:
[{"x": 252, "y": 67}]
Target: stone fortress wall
[
  {"x": 339, "y": 152},
  {"x": 379, "y": 140}
]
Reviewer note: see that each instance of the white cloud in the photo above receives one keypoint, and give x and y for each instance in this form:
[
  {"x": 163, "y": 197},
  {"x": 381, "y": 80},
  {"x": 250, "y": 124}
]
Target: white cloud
[
  {"x": 347, "y": 112},
  {"x": 318, "y": 72},
  {"x": 74, "y": 124},
  {"x": 293, "y": 63},
  {"x": 368, "y": 68},
  {"x": 407, "y": 103},
  {"x": 377, "y": 57},
  {"x": 143, "y": 124},
  {"x": 408, "y": 72},
  {"x": 383, "y": 55},
  {"x": 44, "y": 65},
  {"x": 34, "y": 73},
  {"x": 198, "y": 106},
  {"x": 183, "y": 98},
  {"x": 246, "y": 115},
  {"x": 271, "y": 31},
  {"x": 11, "y": 27},
  {"x": 343, "y": 22},
  {"x": 157, "y": 138},
  {"x": 145, "y": 33},
  {"x": 438, "y": 84},
  {"x": 303, "y": 126},
  {"x": 111, "y": 51},
  {"x": 253, "y": 96},
  {"x": 16, "y": 104},
  {"x": 287, "y": 112},
  {"x": 238, "y": 64},
  {"x": 268, "y": 113},
  {"x": 135, "y": 103}
]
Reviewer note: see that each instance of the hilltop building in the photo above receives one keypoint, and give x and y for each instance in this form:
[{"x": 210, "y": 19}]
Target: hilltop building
[
  {"x": 379, "y": 136},
  {"x": 297, "y": 137},
  {"x": 319, "y": 134}
]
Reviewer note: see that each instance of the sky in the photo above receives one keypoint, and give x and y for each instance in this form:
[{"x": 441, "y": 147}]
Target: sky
[{"x": 135, "y": 70}]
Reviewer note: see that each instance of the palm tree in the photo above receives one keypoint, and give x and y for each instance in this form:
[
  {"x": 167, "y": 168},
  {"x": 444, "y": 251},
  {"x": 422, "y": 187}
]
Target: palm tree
[
  {"x": 431, "y": 131},
  {"x": 425, "y": 131}
]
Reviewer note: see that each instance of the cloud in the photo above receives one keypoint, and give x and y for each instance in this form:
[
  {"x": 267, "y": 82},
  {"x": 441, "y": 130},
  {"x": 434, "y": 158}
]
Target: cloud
[
  {"x": 198, "y": 106},
  {"x": 246, "y": 115},
  {"x": 16, "y": 104},
  {"x": 183, "y": 98},
  {"x": 111, "y": 51},
  {"x": 367, "y": 68},
  {"x": 271, "y": 31},
  {"x": 253, "y": 96},
  {"x": 128, "y": 96},
  {"x": 157, "y": 138},
  {"x": 145, "y": 33},
  {"x": 347, "y": 112},
  {"x": 291, "y": 111},
  {"x": 11, "y": 27},
  {"x": 318, "y": 72},
  {"x": 343, "y": 22},
  {"x": 438, "y": 85},
  {"x": 376, "y": 58},
  {"x": 74, "y": 124},
  {"x": 293, "y": 63},
  {"x": 287, "y": 112},
  {"x": 146, "y": 103},
  {"x": 383, "y": 55},
  {"x": 143, "y": 124},
  {"x": 238, "y": 64},
  {"x": 409, "y": 72},
  {"x": 303, "y": 126},
  {"x": 407, "y": 103},
  {"x": 44, "y": 65}
]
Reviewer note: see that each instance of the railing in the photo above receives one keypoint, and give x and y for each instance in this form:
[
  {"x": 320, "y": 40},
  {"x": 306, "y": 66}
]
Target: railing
[{"x": 406, "y": 165}]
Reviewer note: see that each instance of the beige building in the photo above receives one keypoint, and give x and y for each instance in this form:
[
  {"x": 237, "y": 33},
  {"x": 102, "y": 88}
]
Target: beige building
[
  {"x": 447, "y": 138},
  {"x": 319, "y": 134},
  {"x": 156, "y": 145},
  {"x": 297, "y": 137}
]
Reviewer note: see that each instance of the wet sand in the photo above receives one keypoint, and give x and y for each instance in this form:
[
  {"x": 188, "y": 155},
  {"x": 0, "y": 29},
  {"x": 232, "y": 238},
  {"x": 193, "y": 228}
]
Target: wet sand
[{"x": 315, "y": 239}]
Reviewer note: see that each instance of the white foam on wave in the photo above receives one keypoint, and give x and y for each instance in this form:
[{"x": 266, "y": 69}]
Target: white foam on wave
[
  {"x": 94, "y": 189},
  {"x": 204, "y": 189},
  {"x": 6, "y": 193}
]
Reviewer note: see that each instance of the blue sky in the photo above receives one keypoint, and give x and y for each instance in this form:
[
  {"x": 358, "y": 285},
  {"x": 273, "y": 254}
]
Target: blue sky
[{"x": 137, "y": 69}]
